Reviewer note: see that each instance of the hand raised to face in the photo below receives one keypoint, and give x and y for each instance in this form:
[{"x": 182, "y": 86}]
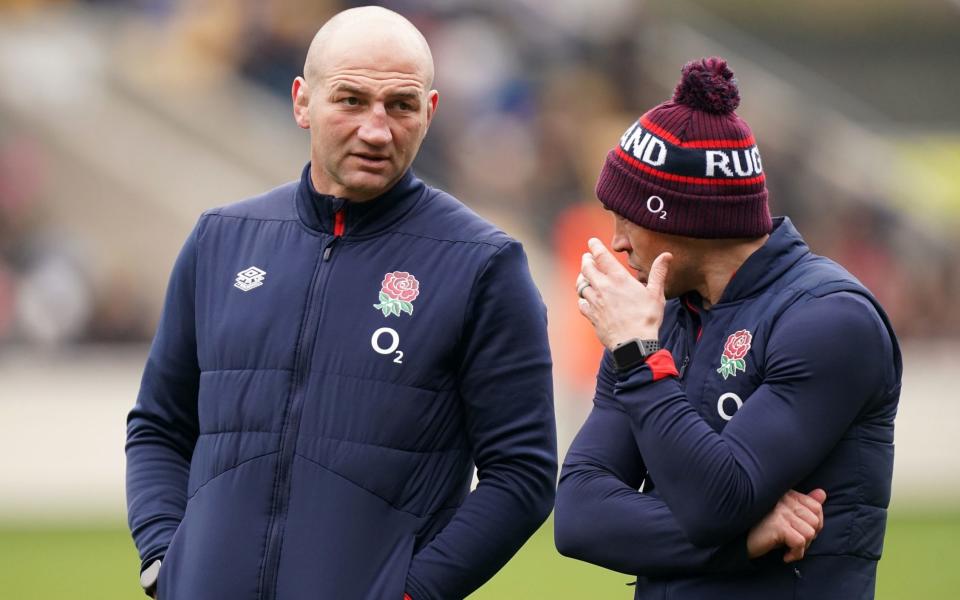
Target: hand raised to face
[{"x": 620, "y": 307}]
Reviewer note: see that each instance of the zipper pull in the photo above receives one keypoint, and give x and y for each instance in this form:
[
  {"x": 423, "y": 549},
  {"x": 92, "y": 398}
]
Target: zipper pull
[
  {"x": 683, "y": 367},
  {"x": 329, "y": 249}
]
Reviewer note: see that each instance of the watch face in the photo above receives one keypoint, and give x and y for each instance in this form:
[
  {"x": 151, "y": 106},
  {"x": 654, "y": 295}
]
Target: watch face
[{"x": 628, "y": 354}]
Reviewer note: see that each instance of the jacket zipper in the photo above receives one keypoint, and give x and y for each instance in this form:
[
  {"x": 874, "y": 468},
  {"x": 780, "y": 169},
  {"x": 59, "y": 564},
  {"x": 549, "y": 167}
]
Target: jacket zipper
[
  {"x": 291, "y": 423},
  {"x": 683, "y": 367},
  {"x": 692, "y": 340}
]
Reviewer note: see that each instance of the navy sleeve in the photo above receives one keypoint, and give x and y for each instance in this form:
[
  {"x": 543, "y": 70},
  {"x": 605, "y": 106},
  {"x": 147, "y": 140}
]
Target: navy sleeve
[
  {"x": 507, "y": 391},
  {"x": 162, "y": 428},
  {"x": 600, "y": 516},
  {"x": 826, "y": 361}
]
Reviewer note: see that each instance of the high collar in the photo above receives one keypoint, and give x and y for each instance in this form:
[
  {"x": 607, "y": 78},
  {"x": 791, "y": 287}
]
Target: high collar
[
  {"x": 317, "y": 211},
  {"x": 768, "y": 263},
  {"x": 781, "y": 251}
]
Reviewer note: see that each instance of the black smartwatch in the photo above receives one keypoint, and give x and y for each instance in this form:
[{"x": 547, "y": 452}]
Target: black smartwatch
[
  {"x": 631, "y": 353},
  {"x": 148, "y": 578}
]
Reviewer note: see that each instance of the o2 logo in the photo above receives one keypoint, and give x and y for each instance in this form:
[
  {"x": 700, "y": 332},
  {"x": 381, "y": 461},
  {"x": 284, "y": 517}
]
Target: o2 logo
[
  {"x": 722, "y": 404},
  {"x": 656, "y": 206},
  {"x": 383, "y": 334}
]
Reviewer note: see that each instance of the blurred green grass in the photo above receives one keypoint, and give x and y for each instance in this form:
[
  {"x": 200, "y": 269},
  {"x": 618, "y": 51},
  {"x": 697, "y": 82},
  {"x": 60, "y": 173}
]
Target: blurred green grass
[{"x": 44, "y": 562}]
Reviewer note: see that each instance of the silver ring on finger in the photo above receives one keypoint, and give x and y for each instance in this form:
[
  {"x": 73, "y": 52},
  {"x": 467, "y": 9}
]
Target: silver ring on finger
[{"x": 582, "y": 287}]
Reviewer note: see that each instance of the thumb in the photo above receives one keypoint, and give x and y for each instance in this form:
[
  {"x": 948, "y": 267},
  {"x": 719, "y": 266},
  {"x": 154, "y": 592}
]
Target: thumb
[
  {"x": 658, "y": 273},
  {"x": 819, "y": 495}
]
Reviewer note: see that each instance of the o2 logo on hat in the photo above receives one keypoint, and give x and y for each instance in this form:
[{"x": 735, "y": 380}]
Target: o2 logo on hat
[{"x": 655, "y": 205}]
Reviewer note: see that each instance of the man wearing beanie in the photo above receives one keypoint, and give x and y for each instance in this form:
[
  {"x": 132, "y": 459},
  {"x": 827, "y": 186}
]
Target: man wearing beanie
[{"x": 747, "y": 385}]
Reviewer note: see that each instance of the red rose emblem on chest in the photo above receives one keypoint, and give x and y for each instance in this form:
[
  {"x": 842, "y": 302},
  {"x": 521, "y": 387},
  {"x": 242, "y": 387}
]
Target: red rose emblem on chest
[
  {"x": 401, "y": 285},
  {"x": 734, "y": 351},
  {"x": 398, "y": 290},
  {"x": 738, "y": 344}
]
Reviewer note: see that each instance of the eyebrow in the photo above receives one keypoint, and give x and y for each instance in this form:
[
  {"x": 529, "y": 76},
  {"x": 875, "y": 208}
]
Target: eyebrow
[
  {"x": 405, "y": 95},
  {"x": 352, "y": 89}
]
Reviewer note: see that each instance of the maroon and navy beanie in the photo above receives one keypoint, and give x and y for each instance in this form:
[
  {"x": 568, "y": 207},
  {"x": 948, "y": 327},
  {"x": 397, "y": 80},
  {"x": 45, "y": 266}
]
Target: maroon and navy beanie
[{"x": 690, "y": 166}]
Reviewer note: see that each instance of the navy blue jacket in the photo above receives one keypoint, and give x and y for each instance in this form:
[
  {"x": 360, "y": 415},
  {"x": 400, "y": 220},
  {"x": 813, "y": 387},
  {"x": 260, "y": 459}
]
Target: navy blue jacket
[
  {"x": 301, "y": 433},
  {"x": 790, "y": 381}
]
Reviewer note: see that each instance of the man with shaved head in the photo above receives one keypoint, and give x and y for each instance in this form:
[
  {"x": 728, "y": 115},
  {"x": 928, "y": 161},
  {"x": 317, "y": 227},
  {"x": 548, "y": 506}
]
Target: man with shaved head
[{"x": 335, "y": 357}]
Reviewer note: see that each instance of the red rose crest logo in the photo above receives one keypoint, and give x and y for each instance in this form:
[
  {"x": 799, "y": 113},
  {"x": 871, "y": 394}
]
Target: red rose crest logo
[
  {"x": 737, "y": 346},
  {"x": 397, "y": 292}
]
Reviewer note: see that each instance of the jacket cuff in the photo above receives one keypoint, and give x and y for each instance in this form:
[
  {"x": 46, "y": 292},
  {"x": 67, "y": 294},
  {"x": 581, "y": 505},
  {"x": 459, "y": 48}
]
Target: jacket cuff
[
  {"x": 415, "y": 590},
  {"x": 733, "y": 557},
  {"x": 661, "y": 365}
]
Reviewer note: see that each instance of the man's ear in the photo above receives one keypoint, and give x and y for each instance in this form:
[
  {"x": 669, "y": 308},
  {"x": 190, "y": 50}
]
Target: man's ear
[
  {"x": 300, "y": 95},
  {"x": 433, "y": 99}
]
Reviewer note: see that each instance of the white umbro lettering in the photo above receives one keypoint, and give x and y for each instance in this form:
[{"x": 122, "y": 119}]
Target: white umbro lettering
[{"x": 250, "y": 278}]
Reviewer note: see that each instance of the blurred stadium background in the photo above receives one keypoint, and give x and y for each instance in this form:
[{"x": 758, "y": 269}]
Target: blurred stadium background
[{"x": 121, "y": 121}]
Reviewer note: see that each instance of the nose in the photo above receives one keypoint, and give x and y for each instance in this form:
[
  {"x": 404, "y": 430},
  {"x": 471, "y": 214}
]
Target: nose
[
  {"x": 375, "y": 129},
  {"x": 620, "y": 241}
]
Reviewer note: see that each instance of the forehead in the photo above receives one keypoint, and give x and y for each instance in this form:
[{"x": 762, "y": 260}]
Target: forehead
[
  {"x": 390, "y": 61},
  {"x": 625, "y": 222}
]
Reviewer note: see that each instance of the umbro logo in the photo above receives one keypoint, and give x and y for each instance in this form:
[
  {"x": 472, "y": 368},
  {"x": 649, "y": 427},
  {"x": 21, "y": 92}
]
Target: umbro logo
[{"x": 250, "y": 278}]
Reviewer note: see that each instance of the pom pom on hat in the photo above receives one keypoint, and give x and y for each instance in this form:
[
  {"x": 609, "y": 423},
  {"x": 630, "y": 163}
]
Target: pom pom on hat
[{"x": 708, "y": 85}]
